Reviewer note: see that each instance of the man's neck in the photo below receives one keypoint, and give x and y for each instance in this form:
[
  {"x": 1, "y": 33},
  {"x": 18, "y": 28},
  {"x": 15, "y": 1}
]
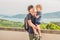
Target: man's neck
[{"x": 32, "y": 14}]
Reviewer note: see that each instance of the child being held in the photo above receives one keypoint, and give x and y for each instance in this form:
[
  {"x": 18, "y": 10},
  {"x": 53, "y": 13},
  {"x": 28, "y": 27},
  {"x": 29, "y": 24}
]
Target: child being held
[{"x": 38, "y": 19}]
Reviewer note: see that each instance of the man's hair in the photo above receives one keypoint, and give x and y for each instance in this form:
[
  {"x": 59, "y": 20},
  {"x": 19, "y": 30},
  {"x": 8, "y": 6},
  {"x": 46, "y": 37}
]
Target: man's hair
[
  {"x": 29, "y": 7},
  {"x": 39, "y": 6}
]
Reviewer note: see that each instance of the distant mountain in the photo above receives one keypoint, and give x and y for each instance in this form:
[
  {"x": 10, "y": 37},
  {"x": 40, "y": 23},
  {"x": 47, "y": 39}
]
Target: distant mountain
[
  {"x": 46, "y": 15},
  {"x": 4, "y": 16},
  {"x": 19, "y": 16},
  {"x": 51, "y": 15}
]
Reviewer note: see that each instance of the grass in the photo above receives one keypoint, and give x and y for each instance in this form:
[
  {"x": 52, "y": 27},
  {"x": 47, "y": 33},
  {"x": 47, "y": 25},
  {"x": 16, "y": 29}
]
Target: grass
[
  {"x": 10, "y": 24},
  {"x": 6, "y": 23}
]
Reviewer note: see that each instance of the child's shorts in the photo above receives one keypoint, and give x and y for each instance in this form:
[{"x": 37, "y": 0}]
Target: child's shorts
[{"x": 37, "y": 23}]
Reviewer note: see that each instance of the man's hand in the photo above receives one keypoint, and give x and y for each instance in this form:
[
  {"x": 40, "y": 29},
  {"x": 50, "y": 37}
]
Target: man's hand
[{"x": 34, "y": 27}]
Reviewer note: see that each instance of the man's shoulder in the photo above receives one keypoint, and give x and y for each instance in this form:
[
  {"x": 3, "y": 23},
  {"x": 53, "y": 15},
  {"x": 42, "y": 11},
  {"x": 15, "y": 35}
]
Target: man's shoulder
[
  {"x": 30, "y": 15},
  {"x": 27, "y": 16}
]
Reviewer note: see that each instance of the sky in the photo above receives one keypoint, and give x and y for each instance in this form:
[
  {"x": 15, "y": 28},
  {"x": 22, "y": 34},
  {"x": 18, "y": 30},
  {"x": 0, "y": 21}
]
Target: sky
[{"x": 14, "y": 7}]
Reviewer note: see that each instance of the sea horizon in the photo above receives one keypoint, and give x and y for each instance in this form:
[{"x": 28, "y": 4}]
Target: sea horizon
[{"x": 45, "y": 20}]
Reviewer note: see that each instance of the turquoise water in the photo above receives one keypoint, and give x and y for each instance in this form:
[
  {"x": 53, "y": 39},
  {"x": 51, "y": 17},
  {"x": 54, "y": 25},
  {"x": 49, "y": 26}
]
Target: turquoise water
[
  {"x": 46, "y": 20},
  {"x": 20, "y": 18}
]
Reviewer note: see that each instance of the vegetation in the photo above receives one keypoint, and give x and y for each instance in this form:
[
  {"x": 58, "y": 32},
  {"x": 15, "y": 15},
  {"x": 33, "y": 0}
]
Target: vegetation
[
  {"x": 6, "y": 23},
  {"x": 49, "y": 26}
]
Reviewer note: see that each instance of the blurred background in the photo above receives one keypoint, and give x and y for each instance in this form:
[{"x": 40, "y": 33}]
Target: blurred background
[{"x": 13, "y": 12}]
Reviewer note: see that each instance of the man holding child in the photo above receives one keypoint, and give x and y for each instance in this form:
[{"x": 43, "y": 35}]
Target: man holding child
[{"x": 33, "y": 22}]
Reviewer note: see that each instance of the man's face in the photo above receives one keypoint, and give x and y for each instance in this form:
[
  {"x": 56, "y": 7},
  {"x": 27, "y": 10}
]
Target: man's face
[{"x": 32, "y": 10}]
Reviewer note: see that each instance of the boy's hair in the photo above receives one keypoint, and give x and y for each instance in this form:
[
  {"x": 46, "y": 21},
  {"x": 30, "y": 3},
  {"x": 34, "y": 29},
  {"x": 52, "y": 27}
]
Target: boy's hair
[
  {"x": 29, "y": 7},
  {"x": 39, "y": 6}
]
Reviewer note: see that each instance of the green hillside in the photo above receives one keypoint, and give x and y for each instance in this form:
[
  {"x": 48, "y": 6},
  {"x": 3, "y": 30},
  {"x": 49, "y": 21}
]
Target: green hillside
[{"x": 9, "y": 24}]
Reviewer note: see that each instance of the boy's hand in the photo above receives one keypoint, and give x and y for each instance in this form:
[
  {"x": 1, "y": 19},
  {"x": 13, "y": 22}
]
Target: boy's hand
[{"x": 37, "y": 16}]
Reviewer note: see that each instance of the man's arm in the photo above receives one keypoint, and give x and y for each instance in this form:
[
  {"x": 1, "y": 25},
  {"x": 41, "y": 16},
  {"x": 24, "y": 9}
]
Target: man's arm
[
  {"x": 31, "y": 24},
  {"x": 29, "y": 21}
]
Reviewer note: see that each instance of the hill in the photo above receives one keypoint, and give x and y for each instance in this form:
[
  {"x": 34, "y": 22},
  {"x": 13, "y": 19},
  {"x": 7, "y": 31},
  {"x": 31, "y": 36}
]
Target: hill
[
  {"x": 52, "y": 15},
  {"x": 46, "y": 15}
]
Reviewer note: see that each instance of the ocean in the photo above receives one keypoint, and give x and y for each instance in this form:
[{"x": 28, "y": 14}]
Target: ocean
[{"x": 45, "y": 20}]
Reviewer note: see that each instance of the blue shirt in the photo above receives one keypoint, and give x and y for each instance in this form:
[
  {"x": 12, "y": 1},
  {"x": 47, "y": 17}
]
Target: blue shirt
[
  {"x": 37, "y": 20},
  {"x": 32, "y": 18}
]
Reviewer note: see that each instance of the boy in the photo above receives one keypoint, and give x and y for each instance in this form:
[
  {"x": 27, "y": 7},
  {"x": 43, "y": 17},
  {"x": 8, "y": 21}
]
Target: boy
[{"x": 37, "y": 20}]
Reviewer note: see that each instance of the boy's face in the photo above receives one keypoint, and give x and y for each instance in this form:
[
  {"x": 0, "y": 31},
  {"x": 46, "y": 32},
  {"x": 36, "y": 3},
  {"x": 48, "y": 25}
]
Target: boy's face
[
  {"x": 38, "y": 8},
  {"x": 32, "y": 10}
]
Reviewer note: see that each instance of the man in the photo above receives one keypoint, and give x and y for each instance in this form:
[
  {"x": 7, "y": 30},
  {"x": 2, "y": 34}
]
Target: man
[{"x": 31, "y": 23}]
